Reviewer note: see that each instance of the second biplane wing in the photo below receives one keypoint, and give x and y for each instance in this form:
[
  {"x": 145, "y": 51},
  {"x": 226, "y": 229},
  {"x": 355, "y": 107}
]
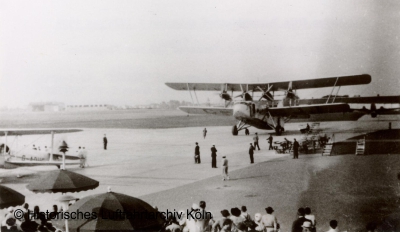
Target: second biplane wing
[
  {"x": 12, "y": 132},
  {"x": 309, "y": 109},
  {"x": 207, "y": 110},
  {"x": 276, "y": 86}
]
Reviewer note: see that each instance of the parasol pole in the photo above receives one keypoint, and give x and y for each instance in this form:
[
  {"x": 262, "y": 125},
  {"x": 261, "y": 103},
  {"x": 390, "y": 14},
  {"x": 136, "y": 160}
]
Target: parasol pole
[
  {"x": 63, "y": 148},
  {"x": 52, "y": 146}
]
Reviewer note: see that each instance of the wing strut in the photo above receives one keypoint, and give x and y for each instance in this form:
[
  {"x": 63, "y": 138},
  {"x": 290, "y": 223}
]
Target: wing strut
[
  {"x": 5, "y": 143},
  {"x": 194, "y": 90},
  {"x": 336, "y": 94},
  {"x": 337, "y": 78},
  {"x": 190, "y": 92}
]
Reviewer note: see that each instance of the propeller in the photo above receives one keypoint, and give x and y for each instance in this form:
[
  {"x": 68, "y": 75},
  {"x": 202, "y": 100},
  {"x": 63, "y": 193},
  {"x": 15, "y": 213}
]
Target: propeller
[
  {"x": 245, "y": 95},
  {"x": 266, "y": 94},
  {"x": 225, "y": 95}
]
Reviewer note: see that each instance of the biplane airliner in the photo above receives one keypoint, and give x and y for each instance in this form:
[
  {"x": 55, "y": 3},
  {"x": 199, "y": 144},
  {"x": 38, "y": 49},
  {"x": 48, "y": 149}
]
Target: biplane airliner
[
  {"x": 35, "y": 156},
  {"x": 270, "y": 114}
]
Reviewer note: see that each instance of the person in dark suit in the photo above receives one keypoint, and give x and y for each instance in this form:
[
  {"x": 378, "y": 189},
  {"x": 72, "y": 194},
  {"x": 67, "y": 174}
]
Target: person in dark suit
[
  {"x": 251, "y": 153},
  {"x": 214, "y": 157},
  {"x": 105, "y": 142},
  {"x": 246, "y": 131},
  {"x": 296, "y": 146},
  {"x": 197, "y": 154},
  {"x": 298, "y": 223},
  {"x": 270, "y": 140}
]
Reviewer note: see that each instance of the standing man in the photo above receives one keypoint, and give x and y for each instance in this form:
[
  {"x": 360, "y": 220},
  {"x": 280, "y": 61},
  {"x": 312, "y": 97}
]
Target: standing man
[
  {"x": 105, "y": 142},
  {"x": 214, "y": 157},
  {"x": 225, "y": 175},
  {"x": 246, "y": 131},
  {"x": 80, "y": 155},
  {"x": 297, "y": 225},
  {"x": 204, "y": 132},
  {"x": 251, "y": 152},
  {"x": 85, "y": 155},
  {"x": 270, "y": 139},
  {"x": 197, "y": 154},
  {"x": 255, "y": 139},
  {"x": 296, "y": 146}
]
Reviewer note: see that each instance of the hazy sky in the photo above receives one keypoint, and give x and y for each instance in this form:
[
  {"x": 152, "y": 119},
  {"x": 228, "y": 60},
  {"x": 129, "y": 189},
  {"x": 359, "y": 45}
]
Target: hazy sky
[{"x": 122, "y": 52}]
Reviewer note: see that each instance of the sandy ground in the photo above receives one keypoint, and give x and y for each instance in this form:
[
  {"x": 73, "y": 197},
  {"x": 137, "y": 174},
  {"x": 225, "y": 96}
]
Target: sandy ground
[{"x": 157, "y": 165}]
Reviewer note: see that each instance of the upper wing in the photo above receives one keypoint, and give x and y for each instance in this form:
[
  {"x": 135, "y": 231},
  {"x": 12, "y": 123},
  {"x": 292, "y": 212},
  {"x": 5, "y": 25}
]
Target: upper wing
[
  {"x": 207, "y": 110},
  {"x": 360, "y": 100},
  {"x": 309, "y": 109},
  {"x": 300, "y": 84},
  {"x": 35, "y": 131}
]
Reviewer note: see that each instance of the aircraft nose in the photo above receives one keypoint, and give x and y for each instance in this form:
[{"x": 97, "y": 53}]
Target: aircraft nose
[{"x": 241, "y": 111}]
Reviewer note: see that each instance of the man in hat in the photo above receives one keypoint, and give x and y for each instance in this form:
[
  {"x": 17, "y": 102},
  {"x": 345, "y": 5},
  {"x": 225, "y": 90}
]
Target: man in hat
[
  {"x": 197, "y": 154},
  {"x": 225, "y": 168},
  {"x": 255, "y": 139},
  {"x": 251, "y": 153},
  {"x": 297, "y": 225},
  {"x": 296, "y": 146},
  {"x": 105, "y": 141},
  {"x": 269, "y": 220},
  {"x": 204, "y": 133},
  {"x": 213, "y": 157}
]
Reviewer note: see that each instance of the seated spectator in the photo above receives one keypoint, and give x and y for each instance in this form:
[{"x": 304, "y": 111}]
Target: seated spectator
[
  {"x": 9, "y": 214},
  {"x": 248, "y": 221},
  {"x": 333, "y": 226},
  {"x": 307, "y": 226},
  {"x": 297, "y": 225},
  {"x": 44, "y": 224},
  {"x": 10, "y": 225},
  {"x": 236, "y": 218},
  {"x": 182, "y": 221},
  {"x": 54, "y": 213},
  {"x": 218, "y": 224},
  {"x": 28, "y": 225},
  {"x": 259, "y": 223},
  {"x": 36, "y": 212},
  {"x": 173, "y": 225},
  {"x": 269, "y": 220},
  {"x": 205, "y": 222},
  {"x": 241, "y": 227},
  {"x": 226, "y": 226},
  {"x": 244, "y": 214},
  {"x": 310, "y": 216}
]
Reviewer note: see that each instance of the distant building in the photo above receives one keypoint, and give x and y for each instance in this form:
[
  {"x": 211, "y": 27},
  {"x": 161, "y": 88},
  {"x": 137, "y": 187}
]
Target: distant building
[
  {"x": 46, "y": 106},
  {"x": 89, "y": 107}
]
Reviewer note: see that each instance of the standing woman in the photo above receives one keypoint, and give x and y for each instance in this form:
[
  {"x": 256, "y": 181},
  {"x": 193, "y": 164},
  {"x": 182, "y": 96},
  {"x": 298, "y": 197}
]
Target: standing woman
[{"x": 214, "y": 157}]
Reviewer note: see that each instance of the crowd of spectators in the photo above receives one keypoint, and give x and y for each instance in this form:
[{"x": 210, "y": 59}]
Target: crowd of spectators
[{"x": 233, "y": 220}]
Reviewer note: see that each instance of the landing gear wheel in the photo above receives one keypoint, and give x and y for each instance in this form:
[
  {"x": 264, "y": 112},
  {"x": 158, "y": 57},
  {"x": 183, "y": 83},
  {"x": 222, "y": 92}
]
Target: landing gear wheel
[
  {"x": 235, "y": 130},
  {"x": 279, "y": 130}
]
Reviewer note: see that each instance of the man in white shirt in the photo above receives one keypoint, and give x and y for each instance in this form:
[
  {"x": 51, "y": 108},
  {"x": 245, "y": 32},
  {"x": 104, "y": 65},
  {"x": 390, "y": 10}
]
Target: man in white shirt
[{"x": 333, "y": 226}]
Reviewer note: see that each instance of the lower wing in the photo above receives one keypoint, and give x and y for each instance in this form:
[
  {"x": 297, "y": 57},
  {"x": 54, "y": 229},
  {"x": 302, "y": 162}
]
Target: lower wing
[
  {"x": 207, "y": 110},
  {"x": 309, "y": 109}
]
